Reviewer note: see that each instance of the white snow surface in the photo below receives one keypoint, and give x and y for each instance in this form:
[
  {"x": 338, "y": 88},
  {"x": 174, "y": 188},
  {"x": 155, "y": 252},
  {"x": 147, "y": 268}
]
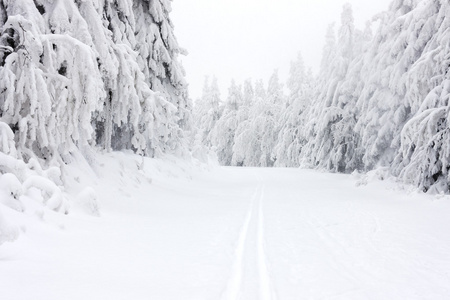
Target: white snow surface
[{"x": 175, "y": 230}]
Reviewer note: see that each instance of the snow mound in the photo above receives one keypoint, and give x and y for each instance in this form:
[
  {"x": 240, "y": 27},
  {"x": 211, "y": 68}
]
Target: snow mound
[
  {"x": 53, "y": 197},
  {"x": 379, "y": 174},
  {"x": 87, "y": 200},
  {"x": 7, "y": 233}
]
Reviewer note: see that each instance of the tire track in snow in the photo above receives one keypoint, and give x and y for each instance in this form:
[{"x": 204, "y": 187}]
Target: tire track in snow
[{"x": 233, "y": 289}]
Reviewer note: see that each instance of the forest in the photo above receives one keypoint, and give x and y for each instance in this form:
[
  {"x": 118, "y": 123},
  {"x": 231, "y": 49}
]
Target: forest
[
  {"x": 95, "y": 114},
  {"x": 380, "y": 100},
  {"x": 78, "y": 76}
]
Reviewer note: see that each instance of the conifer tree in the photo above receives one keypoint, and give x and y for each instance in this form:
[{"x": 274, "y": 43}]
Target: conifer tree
[
  {"x": 225, "y": 129},
  {"x": 106, "y": 73}
]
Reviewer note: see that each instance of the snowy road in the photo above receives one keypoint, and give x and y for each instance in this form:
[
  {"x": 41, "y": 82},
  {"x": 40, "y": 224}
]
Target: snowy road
[{"x": 236, "y": 234}]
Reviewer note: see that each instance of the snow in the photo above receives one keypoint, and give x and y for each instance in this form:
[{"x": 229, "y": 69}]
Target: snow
[
  {"x": 80, "y": 79},
  {"x": 169, "y": 229}
]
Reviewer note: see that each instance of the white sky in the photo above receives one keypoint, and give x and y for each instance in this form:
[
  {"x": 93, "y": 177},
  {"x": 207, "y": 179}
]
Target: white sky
[{"x": 250, "y": 38}]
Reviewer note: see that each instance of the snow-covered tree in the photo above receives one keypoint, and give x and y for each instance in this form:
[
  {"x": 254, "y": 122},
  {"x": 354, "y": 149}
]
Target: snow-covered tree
[
  {"x": 297, "y": 74},
  {"x": 269, "y": 119},
  {"x": 207, "y": 110},
  {"x": 399, "y": 74},
  {"x": 424, "y": 154},
  {"x": 329, "y": 127},
  {"x": 225, "y": 129},
  {"x": 249, "y": 93},
  {"x": 290, "y": 138},
  {"x": 242, "y": 138},
  {"x": 79, "y": 73},
  {"x": 346, "y": 37},
  {"x": 260, "y": 91},
  {"x": 329, "y": 50},
  {"x": 380, "y": 99},
  {"x": 258, "y": 127},
  {"x": 389, "y": 108}
]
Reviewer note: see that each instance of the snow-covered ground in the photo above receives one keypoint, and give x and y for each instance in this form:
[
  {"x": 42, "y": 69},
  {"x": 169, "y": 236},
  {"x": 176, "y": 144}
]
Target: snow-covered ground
[{"x": 173, "y": 232}]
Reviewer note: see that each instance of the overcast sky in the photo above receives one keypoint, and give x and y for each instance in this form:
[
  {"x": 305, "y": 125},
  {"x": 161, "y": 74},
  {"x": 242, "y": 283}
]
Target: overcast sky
[{"x": 250, "y": 38}]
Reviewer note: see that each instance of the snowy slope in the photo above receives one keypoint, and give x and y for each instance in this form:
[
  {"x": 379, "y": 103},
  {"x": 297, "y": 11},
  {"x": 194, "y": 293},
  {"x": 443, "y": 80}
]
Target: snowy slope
[{"x": 171, "y": 231}]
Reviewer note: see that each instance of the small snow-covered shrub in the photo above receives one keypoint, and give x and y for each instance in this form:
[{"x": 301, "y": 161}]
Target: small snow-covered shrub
[
  {"x": 17, "y": 177},
  {"x": 53, "y": 196},
  {"x": 371, "y": 176},
  {"x": 87, "y": 200}
]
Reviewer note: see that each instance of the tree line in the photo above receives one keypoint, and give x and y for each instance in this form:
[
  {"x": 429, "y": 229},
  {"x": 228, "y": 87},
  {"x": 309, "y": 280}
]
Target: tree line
[{"x": 380, "y": 99}]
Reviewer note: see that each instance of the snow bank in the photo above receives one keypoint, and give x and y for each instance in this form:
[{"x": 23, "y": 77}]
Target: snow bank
[{"x": 30, "y": 192}]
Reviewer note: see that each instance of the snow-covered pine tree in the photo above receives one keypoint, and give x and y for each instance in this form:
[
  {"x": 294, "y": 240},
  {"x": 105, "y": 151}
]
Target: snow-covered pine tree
[
  {"x": 243, "y": 135},
  {"x": 260, "y": 91},
  {"x": 145, "y": 27},
  {"x": 201, "y": 107},
  {"x": 346, "y": 38},
  {"x": 247, "y": 149},
  {"x": 398, "y": 75},
  {"x": 207, "y": 110},
  {"x": 329, "y": 50},
  {"x": 424, "y": 156},
  {"x": 398, "y": 105},
  {"x": 267, "y": 119},
  {"x": 74, "y": 67},
  {"x": 223, "y": 134},
  {"x": 50, "y": 81},
  {"x": 247, "y": 130},
  {"x": 214, "y": 96},
  {"x": 164, "y": 71},
  {"x": 290, "y": 138},
  {"x": 331, "y": 142},
  {"x": 249, "y": 93}
]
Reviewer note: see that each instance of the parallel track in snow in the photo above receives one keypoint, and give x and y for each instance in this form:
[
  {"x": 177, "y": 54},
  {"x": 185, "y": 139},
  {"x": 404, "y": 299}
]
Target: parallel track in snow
[
  {"x": 244, "y": 251},
  {"x": 265, "y": 285}
]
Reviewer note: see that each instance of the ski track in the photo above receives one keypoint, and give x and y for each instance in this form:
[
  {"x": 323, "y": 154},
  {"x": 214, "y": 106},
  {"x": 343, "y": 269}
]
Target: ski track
[
  {"x": 265, "y": 285},
  {"x": 255, "y": 214},
  {"x": 234, "y": 285}
]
